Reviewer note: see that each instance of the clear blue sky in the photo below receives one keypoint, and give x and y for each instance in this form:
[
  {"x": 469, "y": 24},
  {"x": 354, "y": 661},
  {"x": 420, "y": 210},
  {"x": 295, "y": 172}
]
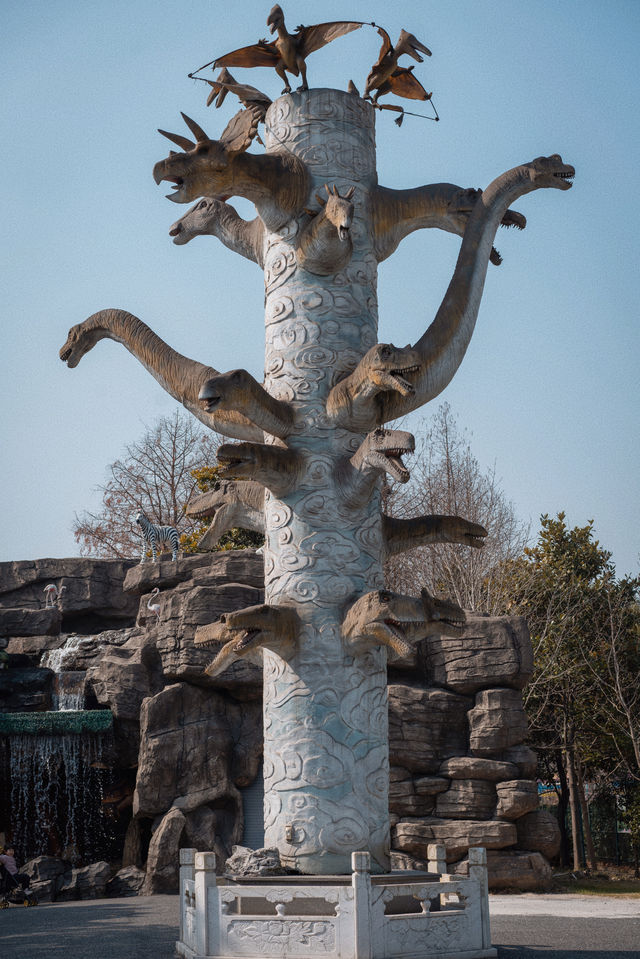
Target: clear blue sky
[{"x": 549, "y": 385}]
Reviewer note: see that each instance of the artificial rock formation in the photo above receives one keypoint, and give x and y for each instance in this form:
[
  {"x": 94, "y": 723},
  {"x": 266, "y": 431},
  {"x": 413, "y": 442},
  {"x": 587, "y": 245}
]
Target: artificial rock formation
[{"x": 193, "y": 741}]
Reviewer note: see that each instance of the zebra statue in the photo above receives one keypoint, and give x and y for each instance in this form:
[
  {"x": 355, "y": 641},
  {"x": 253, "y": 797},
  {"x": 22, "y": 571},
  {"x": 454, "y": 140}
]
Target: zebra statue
[{"x": 157, "y": 536}]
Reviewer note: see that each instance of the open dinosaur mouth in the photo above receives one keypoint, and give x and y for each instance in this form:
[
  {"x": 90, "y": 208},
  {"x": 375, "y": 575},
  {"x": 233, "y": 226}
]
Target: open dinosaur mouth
[
  {"x": 447, "y": 621},
  {"x": 398, "y": 628},
  {"x": 179, "y": 182},
  {"x": 174, "y": 231},
  {"x": 245, "y": 640},
  {"x": 566, "y": 176},
  {"x": 394, "y": 458},
  {"x": 211, "y": 403},
  {"x": 65, "y": 354},
  {"x": 404, "y": 385},
  {"x": 343, "y": 233}
]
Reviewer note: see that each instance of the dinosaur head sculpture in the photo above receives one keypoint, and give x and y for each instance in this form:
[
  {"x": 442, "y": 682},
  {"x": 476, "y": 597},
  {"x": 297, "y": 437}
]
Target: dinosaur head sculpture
[
  {"x": 275, "y": 18},
  {"x": 226, "y": 391},
  {"x": 275, "y": 467},
  {"x": 382, "y": 450},
  {"x": 245, "y": 630},
  {"x": 447, "y": 618},
  {"x": 390, "y": 619},
  {"x": 80, "y": 340},
  {"x": 198, "y": 221},
  {"x": 551, "y": 172},
  {"x": 387, "y": 366},
  {"x": 204, "y": 168}
]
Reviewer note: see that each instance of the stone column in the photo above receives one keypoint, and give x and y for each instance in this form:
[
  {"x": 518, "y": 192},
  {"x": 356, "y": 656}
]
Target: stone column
[{"x": 325, "y": 711}]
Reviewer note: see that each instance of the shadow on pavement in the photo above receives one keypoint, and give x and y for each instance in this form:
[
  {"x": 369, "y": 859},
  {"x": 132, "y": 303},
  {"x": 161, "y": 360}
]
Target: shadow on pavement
[{"x": 99, "y": 929}]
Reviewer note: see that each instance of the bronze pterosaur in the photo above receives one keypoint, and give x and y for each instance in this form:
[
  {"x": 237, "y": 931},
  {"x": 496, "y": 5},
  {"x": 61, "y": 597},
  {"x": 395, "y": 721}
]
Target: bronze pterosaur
[
  {"x": 288, "y": 53},
  {"x": 387, "y": 77}
]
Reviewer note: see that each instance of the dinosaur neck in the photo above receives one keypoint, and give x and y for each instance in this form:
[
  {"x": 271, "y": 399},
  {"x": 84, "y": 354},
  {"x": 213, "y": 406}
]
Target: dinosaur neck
[
  {"x": 443, "y": 345},
  {"x": 177, "y": 374},
  {"x": 277, "y": 184},
  {"x": 242, "y": 236},
  {"x": 396, "y": 213},
  {"x": 270, "y": 414}
]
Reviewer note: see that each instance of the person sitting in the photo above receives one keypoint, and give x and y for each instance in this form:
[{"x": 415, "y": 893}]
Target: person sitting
[{"x": 8, "y": 861}]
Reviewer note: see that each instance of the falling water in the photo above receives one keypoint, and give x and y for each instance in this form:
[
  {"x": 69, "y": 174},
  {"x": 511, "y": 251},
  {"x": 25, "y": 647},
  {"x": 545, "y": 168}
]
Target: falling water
[
  {"x": 56, "y": 794},
  {"x": 68, "y": 685}
]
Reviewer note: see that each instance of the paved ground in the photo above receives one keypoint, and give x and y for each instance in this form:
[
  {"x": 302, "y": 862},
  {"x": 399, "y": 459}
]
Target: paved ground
[{"x": 523, "y": 927}]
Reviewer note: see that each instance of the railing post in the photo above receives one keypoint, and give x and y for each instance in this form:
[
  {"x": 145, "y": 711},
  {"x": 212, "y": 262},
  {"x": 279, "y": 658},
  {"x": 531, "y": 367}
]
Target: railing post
[
  {"x": 437, "y": 858},
  {"x": 478, "y": 872},
  {"x": 187, "y": 859},
  {"x": 205, "y": 878},
  {"x": 361, "y": 883}
]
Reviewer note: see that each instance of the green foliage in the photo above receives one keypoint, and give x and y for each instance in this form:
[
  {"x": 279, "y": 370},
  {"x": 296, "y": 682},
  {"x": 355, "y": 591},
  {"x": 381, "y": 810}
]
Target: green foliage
[
  {"x": 207, "y": 478},
  {"x": 584, "y": 625}
]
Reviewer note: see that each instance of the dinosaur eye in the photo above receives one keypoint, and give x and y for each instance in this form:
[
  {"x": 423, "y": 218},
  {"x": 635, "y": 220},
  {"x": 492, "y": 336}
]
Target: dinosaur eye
[
  {"x": 384, "y": 596},
  {"x": 202, "y": 205}
]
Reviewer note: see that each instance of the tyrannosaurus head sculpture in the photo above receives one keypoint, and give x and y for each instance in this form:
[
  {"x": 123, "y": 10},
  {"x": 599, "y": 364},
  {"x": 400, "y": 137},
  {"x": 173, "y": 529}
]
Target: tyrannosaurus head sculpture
[
  {"x": 386, "y": 367},
  {"x": 382, "y": 450},
  {"x": 389, "y": 619},
  {"x": 244, "y": 631}
]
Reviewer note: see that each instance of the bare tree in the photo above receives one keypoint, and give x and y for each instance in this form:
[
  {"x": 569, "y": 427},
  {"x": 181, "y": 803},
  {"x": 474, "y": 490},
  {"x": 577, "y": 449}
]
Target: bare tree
[
  {"x": 153, "y": 476},
  {"x": 446, "y": 478}
]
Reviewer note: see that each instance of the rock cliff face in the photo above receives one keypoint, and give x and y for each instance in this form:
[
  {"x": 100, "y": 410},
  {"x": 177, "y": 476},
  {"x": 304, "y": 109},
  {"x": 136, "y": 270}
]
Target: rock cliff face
[{"x": 188, "y": 744}]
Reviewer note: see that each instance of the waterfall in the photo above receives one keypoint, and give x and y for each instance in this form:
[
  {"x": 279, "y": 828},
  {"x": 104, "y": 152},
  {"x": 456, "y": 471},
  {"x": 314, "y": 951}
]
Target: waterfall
[
  {"x": 68, "y": 685},
  {"x": 56, "y": 792}
]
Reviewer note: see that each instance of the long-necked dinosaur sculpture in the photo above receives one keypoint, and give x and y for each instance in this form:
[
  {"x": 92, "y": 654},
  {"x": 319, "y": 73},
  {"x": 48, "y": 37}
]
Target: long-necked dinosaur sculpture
[
  {"x": 440, "y": 350},
  {"x": 181, "y": 377},
  {"x": 210, "y": 217}
]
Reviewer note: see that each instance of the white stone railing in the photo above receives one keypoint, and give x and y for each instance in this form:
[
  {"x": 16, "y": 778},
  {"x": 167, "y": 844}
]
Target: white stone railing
[{"x": 339, "y": 917}]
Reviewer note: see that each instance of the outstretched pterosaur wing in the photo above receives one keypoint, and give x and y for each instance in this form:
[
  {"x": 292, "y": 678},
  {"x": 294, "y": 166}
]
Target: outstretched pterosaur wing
[
  {"x": 404, "y": 84},
  {"x": 247, "y": 95},
  {"x": 312, "y": 38},
  {"x": 261, "y": 54},
  {"x": 386, "y": 47}
]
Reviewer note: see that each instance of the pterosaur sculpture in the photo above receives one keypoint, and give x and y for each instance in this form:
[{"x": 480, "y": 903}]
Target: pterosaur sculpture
[
  {"x": 288, "y": 53},
  {"x": 314, "y": 448},
  {"x": 387, "y": 77}
]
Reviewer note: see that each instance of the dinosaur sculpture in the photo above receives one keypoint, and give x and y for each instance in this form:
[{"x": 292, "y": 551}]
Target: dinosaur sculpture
[
  {"x": 245, "y": 631},
  {"x": 382, "y": 369},
  {"x": 383, "y": 618},
  {"x": 443, "y": 345},
  {"x": 288, "y": 53},
  {"x": 387, "y": 77},
  {"x": 180, "y": 376},
  {"x": 239, "y": 391},
  {"x": 250, "y": 97},
  {"x": 278, "y": 184},
  {"x": 241, "y": 504},
  {"x": 326, "y": 244},
  {"x": 234, "y": 503},
  {"x": 400, "y": 535},
  {"x": 443, "y": 206},
  {"x": 380, "y": 452},
  {"x": 210, "y": 217},
  {"x": 274, "y": 467},
  {"x": 324, "y": 540}
]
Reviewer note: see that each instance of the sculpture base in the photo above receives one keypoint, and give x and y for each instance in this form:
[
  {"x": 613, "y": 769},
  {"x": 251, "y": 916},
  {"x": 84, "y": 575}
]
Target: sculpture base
[{"x": 401, "y": 915}]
